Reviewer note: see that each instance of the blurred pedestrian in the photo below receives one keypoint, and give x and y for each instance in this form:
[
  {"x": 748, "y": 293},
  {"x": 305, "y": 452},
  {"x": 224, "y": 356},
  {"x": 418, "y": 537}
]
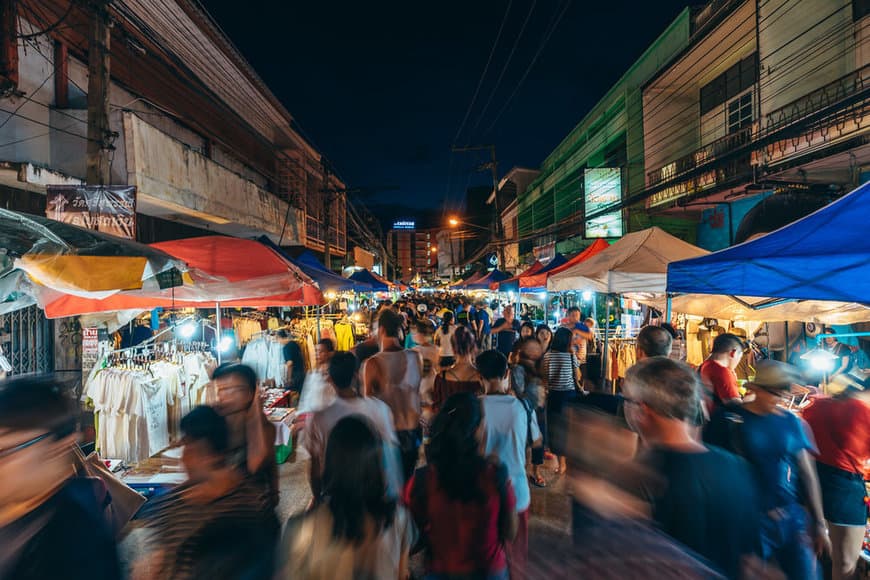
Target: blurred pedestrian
[
  {"x": 705, "y": 497},
  {"x": 213, "y": 525},
  {"x": 777, "y": 445},
  {"x": 464, "y": 505},
  {"x": 560, "y": 372},
  {"x": 358, "y": 530},
  {"x": 509, "y": 428},
  {"x": 841, "y": 427},
  {"x": 444, "y": 340},
  {"x": 251, "y": 436},
  {"x": 483, "y": 325},
  {"x": 717, "y": 372},
  {"x": 506, "y": 330},
  {"x": 318, "y": 393},
  {"x": 424, "y": 331},
  {"x": 52, "y": 525},
  {"x": 394, "y": 376},
  {"x": 462, "y": 375},
  {"x": 294, "y": 365},
  {"x": 343, "y": 374},
  {"x": 613, "y": 535},
  {"x": 528, "y": 385}
]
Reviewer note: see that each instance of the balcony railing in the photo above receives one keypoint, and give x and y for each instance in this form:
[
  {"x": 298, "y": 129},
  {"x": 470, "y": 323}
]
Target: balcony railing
[{"x": 841, "y": 91}]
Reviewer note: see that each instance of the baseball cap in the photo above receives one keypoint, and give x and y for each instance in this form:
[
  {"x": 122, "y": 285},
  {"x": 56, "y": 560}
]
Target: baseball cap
[{"x": 776, "y": 375}]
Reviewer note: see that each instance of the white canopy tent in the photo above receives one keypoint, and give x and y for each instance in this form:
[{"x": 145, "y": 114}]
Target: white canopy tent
[{"x": 636, "y": 263}]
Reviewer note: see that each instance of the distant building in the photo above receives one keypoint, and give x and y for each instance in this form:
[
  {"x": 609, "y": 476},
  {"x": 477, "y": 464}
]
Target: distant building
[{"x": 413, "y": 251}]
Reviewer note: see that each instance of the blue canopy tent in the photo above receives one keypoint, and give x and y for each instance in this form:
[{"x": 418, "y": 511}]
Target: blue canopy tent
[
  {"x": 308, "y": 263},
  {"x": 483, "y": 283},
  {"x": 366, "y": 277},
  {"x": 822, "y": 257}
]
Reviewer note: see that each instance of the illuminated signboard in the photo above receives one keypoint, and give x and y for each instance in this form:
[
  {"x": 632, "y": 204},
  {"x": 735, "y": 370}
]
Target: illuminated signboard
[
  {"x": 603, "y": 187},
  {"x": 405, "y": 225}
]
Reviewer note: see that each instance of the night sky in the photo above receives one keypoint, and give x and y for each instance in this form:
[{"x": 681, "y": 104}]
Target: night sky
[{"x": 382, "y": 87}]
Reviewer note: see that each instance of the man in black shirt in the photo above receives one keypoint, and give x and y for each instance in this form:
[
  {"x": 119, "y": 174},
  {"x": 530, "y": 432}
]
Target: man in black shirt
[
  {"x": 506, "y": 330},
  {"x": 706, "y": 498}
]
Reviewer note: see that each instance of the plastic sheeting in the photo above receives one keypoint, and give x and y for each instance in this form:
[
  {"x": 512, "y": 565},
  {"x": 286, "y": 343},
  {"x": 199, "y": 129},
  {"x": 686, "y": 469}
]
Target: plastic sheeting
[
  {"x": 638, "y": 262},
  {"x": 66, "y": 258},
  {"x": 824, "y": 256},
  {"x": 231, "y": 271},
  {"x": 311, "y": 266}
]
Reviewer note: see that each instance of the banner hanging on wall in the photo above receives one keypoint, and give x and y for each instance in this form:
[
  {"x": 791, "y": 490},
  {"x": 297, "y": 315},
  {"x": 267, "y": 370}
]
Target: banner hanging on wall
[{"x": 105, "y": 208}]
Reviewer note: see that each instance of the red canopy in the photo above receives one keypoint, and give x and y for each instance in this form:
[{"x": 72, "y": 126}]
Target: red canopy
[
  {"x": 540, "y": 280},
  {"x": 533, "y": 269},
  {"x": 232, "y": 271}
]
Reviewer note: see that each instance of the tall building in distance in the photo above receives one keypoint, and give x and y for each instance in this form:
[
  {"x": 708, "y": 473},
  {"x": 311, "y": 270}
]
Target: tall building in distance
[{"x": 415, "y": 250}]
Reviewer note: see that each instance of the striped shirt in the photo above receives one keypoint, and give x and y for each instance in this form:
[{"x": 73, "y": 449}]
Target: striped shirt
[
  {"x": 194, "y": 537},
  {"x": 561, "y": 368}
]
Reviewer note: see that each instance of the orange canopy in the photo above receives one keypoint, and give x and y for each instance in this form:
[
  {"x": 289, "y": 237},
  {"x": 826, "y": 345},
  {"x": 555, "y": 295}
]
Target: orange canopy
[
  {"x": 232, "y": 271},
  {"x": 540, "y": 280}
]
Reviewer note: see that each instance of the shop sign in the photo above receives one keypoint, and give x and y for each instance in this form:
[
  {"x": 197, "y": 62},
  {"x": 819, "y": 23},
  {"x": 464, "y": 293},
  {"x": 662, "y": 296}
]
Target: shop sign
[
  {"x": 110, "y": 209},
  {"x": 405, "y": 225},
  {"x": 90, "y": 349},
  {"x": 603, "y": 189}
]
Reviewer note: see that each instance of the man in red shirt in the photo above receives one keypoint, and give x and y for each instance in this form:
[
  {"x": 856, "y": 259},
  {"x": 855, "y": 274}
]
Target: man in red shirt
[
  {"x": 717, "y": 372},
  {"x": 841, "y": 427}
]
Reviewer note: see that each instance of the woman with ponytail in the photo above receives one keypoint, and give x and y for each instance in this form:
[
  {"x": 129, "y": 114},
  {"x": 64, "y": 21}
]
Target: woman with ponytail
[{"x": 463, "y": 504}]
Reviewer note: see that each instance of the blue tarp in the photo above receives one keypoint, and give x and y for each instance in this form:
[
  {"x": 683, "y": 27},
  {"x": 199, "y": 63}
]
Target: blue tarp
[
  {"x": 824, "y": 256},
  {"x": 366, "y": 277},
  {"x": 483, "y": 283},
  {"x": 308, "y": 263}
]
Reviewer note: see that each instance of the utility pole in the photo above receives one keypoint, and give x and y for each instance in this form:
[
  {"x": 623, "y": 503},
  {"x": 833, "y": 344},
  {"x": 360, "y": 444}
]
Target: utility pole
[
  {"x": 492, "y": 165},
  {"x": 99, "y": 132}
]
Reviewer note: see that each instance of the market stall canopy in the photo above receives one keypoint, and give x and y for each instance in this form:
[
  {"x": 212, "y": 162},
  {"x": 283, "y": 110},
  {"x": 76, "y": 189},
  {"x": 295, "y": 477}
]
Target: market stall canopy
[
  {"x": 473, "y": 277},
  {"x": 538, "y": 281},
  {"x": 748, "y": 309},
  {"x": 375, "y": 282},
  {"x": 512, "y": 284},
  {"x": 311, "y": 266},
  {"x": 824, "y": 256},
  {"x": 483, "y": 283},
  {"x": 638, "y": 262},
  {"x": 73, "y": 260},
  {"x": 230, "y": 271}
]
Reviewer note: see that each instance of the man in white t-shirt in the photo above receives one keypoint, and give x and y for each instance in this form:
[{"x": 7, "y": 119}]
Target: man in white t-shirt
[
  {"x": 342, "y": 370},
  {"x": 509, "y": 427}
]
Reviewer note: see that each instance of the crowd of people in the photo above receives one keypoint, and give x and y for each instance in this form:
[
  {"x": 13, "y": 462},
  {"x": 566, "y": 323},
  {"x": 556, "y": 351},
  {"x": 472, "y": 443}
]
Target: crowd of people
[{"x": 428, "y": 436}]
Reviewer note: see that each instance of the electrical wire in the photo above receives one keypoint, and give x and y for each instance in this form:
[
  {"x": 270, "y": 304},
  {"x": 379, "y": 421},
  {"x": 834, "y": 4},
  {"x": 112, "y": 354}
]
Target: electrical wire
[
  {"x": 483, "y": 74},
  {"x": 504, "y": 68},
  {"x": 550, "y": 30}
]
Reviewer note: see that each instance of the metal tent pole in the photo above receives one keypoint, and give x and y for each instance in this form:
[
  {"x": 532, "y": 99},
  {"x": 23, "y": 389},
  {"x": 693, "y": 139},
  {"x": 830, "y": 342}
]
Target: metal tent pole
[
  {"x": 605, "y": 355},
  {"x": 218, "y": 329}
]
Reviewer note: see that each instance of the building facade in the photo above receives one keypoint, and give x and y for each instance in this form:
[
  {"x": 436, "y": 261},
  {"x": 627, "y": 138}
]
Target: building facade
[
  {"x": 767, "y": 109},
  {"x": 415, "y": 252},
  {"x": 190, "y": 123},
  {"x": 608, "y": 141},
  {"x": 187, "y": 121}
]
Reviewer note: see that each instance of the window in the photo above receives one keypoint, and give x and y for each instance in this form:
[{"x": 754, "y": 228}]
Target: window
[
  {"x": 860, "y": 9},
  {"x": 740, "y": 113},
  {"x": 741, "y": 76}
]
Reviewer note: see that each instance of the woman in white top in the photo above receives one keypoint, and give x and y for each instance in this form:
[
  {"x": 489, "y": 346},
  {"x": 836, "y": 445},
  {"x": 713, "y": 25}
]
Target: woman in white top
[
  {"x": 443, "y": 339},
  {"x": 422, "y": 333},
  {"x": 355, "y": 530}
]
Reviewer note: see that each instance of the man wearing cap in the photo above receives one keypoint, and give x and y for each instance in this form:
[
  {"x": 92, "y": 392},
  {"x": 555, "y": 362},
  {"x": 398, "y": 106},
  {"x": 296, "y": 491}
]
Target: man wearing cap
[{"x": 778, "y": 446}]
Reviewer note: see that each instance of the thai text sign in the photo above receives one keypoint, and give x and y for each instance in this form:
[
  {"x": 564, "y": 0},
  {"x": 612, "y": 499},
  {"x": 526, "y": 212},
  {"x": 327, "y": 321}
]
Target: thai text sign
[{"x": 105, "y": 208}]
